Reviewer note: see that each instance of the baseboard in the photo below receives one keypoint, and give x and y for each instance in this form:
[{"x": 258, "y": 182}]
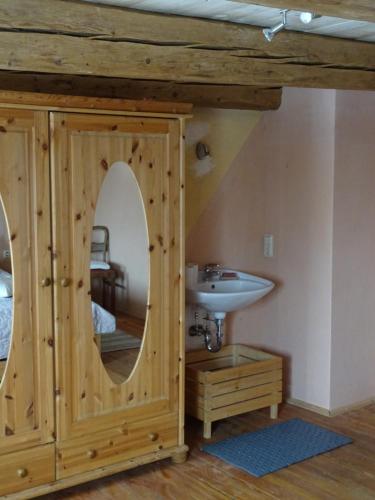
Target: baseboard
[
  {"x": 355, "y": 406},
  {"x": 329, "y": 413},
  {"x": 308, "y": 406}
]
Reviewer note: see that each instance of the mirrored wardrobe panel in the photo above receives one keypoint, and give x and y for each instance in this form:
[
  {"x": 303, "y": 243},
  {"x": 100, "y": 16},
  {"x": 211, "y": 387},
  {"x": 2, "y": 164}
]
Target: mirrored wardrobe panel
[
  {"x": 6, "y": 292},
  {"x": 119, "y": 271}
]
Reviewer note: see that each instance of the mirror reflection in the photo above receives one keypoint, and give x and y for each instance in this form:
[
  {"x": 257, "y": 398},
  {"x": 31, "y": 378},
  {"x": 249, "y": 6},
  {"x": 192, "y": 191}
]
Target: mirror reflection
[
  {"x": 119, "y": 271},
  {"x": 6, "y": 292}
]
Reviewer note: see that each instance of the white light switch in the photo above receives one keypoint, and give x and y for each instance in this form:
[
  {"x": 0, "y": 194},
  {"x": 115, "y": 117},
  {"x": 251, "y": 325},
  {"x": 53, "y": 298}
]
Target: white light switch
[{"x": 268, "y": 245}]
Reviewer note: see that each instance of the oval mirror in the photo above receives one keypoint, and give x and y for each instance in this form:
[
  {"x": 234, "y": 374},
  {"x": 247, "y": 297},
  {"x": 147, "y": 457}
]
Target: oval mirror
[
  {"x": 6, "y": 292},
  {"x": 119, "y": 271}
]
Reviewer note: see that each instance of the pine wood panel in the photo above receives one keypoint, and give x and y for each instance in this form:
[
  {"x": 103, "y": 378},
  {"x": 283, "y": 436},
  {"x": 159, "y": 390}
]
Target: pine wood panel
[
  {"x": 215, "y": 96},
  {"x": 26, "y": 469},
  {"x": 175, "y": 453},
  {"x": 51, "y": 101},
  {"x": 26, "y": 392},
  {"x": 116, "y": 445},
  {"x": 83, "y": 149},
  {"x": 235, "y": 380}
]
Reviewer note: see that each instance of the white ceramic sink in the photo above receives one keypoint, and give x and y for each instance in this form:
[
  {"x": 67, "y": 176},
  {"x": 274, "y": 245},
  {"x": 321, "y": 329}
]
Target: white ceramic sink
[{"x": 222, "y": 296}]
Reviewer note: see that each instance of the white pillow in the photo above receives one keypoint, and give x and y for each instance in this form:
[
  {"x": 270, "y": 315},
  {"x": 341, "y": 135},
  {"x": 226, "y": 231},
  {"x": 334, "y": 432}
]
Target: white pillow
[{"x": 6, "y": 284}]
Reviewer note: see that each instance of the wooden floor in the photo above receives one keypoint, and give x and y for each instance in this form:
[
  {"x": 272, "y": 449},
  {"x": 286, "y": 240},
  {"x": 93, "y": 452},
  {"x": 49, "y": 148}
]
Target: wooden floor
[
  {"x": 130, "y": 324},
  {"x": 119, "y": 364},
  {"x": 345, "y": 473}
]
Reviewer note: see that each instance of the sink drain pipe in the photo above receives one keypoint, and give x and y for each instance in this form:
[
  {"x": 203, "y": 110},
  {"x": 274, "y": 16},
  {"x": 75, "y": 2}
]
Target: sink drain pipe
[
  {"x": 219, "y": 324},
  {"x": 205, "y": 331}
]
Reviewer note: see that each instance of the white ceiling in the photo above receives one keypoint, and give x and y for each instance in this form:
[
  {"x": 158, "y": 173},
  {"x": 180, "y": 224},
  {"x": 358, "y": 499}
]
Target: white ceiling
[{"x": 256, "y": 15}]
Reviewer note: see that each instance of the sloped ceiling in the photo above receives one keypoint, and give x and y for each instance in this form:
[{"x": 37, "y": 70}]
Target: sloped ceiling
[{"x": 225, "y": 10}]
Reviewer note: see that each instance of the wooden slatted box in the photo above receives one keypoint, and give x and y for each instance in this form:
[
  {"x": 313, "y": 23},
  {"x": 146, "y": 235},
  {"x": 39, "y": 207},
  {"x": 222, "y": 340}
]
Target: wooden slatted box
[{"x": 235, "y": 380}]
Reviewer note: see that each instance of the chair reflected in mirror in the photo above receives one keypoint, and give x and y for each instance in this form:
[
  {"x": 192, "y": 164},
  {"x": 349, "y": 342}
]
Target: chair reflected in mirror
[
  {"x": 101, "y": 269},
  {"x": 119, "y": 346}
]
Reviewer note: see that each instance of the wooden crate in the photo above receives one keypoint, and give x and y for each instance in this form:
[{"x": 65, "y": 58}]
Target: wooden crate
[{"x": 235, "y": 380}]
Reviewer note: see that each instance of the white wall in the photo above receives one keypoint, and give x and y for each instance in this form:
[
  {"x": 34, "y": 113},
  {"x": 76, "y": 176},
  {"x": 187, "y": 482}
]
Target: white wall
[{"x": 120, "y": 208}]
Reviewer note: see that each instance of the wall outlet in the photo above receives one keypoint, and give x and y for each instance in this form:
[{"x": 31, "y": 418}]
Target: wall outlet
[
  {"x": 6, "y": 254},
  {"x": 268, "y": 245}
]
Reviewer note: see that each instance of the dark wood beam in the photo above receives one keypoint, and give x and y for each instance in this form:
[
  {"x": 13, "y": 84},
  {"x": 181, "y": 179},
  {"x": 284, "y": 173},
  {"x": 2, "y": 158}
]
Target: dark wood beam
[
  {"x": 218, "y": 96},
  {"x": 360, "y": 10},
  {"x": 67, "y": 37}
]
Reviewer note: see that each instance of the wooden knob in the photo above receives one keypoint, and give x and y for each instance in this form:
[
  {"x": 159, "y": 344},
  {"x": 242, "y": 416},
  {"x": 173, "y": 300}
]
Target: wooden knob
[
  {"x": 22, "y": 472},
  {"x": 91, "y": 453},
  {"x": 46, "y": 281},
  {"x": 65, "y": 282},
  {"x": 153, "y": 436}
]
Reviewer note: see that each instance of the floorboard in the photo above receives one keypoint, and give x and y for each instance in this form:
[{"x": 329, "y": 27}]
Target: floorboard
[{"x": 347, "y": 473}]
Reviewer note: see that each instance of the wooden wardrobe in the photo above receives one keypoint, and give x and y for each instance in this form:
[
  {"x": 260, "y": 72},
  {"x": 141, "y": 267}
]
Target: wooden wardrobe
[{"x": 63, "y": 420}]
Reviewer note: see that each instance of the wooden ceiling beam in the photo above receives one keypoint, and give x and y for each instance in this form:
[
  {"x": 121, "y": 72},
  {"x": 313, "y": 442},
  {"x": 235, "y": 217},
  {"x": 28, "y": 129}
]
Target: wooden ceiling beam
[
  {"x": 216, "y": 96},
  {"x": 75, "y": 38},
  {"x": 356, "y": 10}
]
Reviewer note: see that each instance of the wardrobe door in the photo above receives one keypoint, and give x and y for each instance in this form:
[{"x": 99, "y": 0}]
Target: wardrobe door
[
  {"x": 103, "y": 418},
  {"x": 26, "y": 339}
]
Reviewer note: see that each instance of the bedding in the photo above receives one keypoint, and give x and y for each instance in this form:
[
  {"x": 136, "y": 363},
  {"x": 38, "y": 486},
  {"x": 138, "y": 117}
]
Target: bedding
[
  {"x": 6, "y": 284},
  {"x": 99, "y": 264},
  {"x": 104, "y": 322}
]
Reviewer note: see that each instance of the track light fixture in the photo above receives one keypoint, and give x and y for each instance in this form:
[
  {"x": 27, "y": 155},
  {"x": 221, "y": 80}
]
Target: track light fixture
[
  {"x": 269, "y": 33},
  {"x": 307, "y": 17}
]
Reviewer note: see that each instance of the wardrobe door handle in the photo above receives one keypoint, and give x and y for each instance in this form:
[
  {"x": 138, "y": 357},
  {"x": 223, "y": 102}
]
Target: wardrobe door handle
[
  {"x": 22, "y": 472},
  {"x": 91, "y": 453},
  {"x": 46, "y": 281},
  {"x": 65, "y": 282}
]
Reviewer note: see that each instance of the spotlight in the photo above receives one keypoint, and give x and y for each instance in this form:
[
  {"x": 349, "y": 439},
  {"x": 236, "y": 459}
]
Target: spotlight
[
  {"x": 269, "y": 33},
  {"x": 306, "y": 17}
]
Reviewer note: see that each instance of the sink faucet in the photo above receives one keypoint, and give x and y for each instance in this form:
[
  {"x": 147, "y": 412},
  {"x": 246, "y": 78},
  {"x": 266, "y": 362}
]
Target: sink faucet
[{"x": 212, "y": 272}]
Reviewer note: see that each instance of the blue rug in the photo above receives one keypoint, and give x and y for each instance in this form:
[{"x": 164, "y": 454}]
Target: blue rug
[{"x": 276, "y": 447}]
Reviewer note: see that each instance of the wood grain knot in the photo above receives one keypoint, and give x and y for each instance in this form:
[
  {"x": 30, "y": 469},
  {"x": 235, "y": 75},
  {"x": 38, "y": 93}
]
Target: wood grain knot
[{"x": 135, "y": 146}]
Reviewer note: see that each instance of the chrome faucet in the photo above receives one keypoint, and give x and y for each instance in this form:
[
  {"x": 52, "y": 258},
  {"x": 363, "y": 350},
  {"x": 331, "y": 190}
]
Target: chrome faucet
[{"x": 212, "y": 272}]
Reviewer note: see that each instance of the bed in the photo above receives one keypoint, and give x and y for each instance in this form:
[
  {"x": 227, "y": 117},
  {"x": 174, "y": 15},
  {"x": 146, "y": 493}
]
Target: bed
[{"x": 104, "y": 322}]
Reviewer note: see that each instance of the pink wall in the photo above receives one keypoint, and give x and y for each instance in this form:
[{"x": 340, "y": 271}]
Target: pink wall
[
  {"x": 281, "y": 183},
  {"x": 353, "y": 320},
  {"x": 306, "y": 175}
]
